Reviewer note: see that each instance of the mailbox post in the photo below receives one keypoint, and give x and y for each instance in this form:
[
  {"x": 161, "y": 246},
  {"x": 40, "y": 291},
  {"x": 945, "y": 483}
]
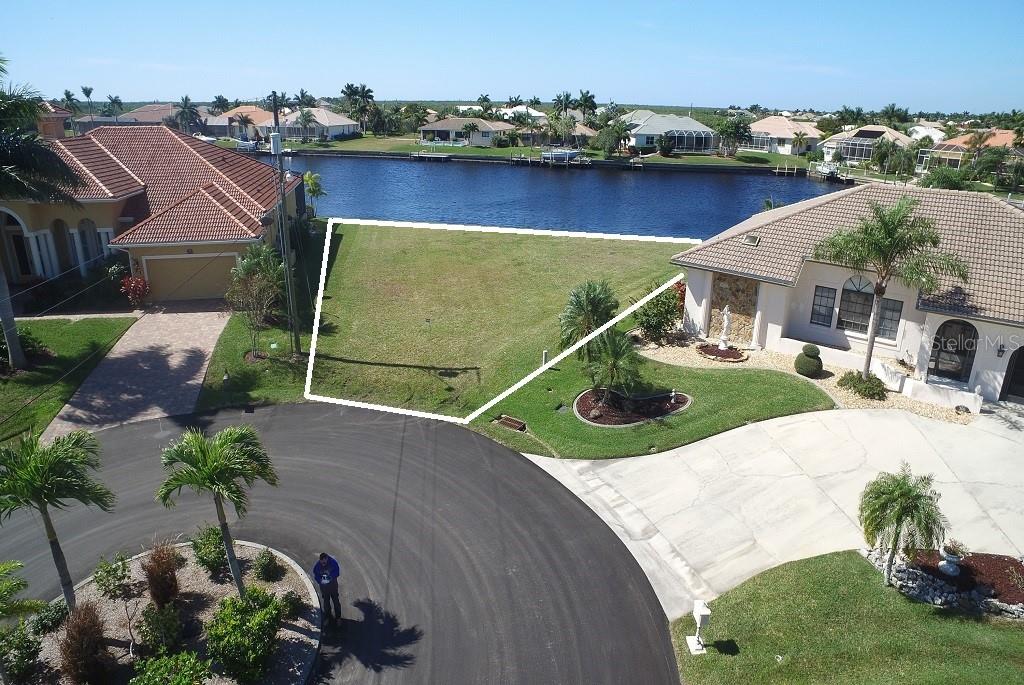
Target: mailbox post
[{"x": 701, "y": 616}]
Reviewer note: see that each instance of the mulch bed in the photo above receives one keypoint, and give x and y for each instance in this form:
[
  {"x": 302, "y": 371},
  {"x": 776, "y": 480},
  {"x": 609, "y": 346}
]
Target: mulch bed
[
  {"x": 992, "y": 570},
  {"x": 729, "y": 354},
  {"x": 623, "y": 411},
  {"x": 253, "y": 359}
]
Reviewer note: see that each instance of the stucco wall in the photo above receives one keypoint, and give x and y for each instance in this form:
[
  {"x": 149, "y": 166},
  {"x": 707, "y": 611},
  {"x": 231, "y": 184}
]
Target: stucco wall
[
  {"x": 698, "y": 293},
  {"x": 740, "y": 295}
]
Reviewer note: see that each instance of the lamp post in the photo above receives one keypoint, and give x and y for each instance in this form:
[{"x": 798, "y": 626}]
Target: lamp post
[
  {"x": 701, "y": 616},
  {"x": 286, "y": 242}
]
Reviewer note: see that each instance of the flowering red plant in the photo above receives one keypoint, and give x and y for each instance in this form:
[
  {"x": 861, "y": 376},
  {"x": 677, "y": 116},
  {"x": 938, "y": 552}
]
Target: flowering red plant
[{"x": 136, "y": 288}]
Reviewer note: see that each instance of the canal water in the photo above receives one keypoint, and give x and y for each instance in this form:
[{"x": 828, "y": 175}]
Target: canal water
[{"x": 637, "y": 202}]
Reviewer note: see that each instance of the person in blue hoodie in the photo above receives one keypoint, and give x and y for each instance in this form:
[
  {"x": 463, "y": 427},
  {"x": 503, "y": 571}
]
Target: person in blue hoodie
[{"x": 326, "y": 572}]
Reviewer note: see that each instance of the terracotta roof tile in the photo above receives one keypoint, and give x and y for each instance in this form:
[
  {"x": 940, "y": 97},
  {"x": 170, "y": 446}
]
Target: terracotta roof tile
[
  {"x": 208, "y": 214},
  {"x": 986, "y": 232}
]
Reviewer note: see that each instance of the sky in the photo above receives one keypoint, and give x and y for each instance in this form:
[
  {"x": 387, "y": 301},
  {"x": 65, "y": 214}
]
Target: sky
[{"x": 790, "y": 55}]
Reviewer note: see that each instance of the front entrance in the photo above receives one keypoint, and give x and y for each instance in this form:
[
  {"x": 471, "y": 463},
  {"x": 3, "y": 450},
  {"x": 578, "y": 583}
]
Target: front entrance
[
  {"x": 953, "y": 351},
  {"x": 1013, "y": 382}
]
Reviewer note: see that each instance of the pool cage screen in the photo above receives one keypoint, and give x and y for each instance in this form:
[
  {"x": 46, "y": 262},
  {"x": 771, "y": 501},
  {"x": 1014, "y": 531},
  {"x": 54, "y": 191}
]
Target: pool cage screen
[
  {"x": 691, "y": 141},
  {"x": 757, "y": 141},
  {"x": 857, "y": 149}
]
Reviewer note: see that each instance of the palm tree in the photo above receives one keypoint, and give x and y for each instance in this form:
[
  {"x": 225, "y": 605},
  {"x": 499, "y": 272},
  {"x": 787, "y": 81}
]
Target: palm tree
[
  {"x": 468, "y": 130},
  {"x": 894, "y": 244},
  {"x": 313, "y": 187},
  {"x": 219, "y": 105},
  {"x": 799, "y": 140},
  {"x": 305, "y": 98},
  {"x": 305, "y": 120},
  {"x": 586, "y": 103},
  {"x": 533, "y": 103},
  {"x": 44, "y": 477},
  {"x": 350, "y": 92},
  {"x": 590, "y": 306},
  {"x": 11, "y": 607},
  {"x": 243, "y": 121},
  {"x": 513, "y": 101},
  {"x": 70, "y": 102},
  {"x": 616, "y": 364},
  {"x": 187, "y": 115},
  {"x": 563, "y": 102},
  {"x": 900, "y": 511},
  {"x": 115, "y": 104},
  {"x": 216, "y": 466},
  {"x": 87, "y": 92},
  {"x": 29, "y": 170}
]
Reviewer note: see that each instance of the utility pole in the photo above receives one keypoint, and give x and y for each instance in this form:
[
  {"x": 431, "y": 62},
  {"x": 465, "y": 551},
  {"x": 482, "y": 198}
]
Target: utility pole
[{"x": 286, "y": 242}]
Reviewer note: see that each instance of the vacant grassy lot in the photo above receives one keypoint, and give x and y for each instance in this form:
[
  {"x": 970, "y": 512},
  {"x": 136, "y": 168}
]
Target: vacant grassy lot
[
  {"x": 742, "y": 158},
  {"x": 722, "y": 399},
  {"x": 443, "y": 321},
  {"x": 829, "y": 619},
  {"x": 67, "y": 344}
]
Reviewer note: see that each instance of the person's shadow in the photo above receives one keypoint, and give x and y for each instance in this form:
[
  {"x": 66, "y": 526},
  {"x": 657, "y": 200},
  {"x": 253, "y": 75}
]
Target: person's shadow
[{"x": 377, "y": 641}]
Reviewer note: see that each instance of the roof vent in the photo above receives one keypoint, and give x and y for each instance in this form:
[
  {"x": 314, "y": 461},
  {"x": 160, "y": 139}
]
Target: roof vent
[{"x": 751, "y": 239}]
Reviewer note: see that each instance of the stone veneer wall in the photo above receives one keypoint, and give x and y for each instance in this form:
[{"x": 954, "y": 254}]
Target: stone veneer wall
[{"x": 740, "y": 294}]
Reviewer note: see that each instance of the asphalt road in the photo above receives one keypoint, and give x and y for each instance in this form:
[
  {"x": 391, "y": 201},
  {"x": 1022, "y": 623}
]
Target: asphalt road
[{"x": 462, "y": 562}]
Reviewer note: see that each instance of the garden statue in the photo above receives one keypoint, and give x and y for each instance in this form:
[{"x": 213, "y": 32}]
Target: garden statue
[{"x": 723, "y": 339}]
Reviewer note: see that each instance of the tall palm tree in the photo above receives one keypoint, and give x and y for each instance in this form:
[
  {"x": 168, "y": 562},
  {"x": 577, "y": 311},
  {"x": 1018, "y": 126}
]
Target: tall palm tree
[
  {"x": 533, "y": 103},
  {"x": 616, "y": 364},
  {"x": 305, "y": 120},
  {"x": 187, "y": 115},
  {"x": 44, "y": 477},
  {"x": 10, "y": 606},
  {"x": 563, "y": 102},
  {"x": 799, "y": 140},
  {"x": 87, "y": 92},
  {"x": 243, "y": 121},
  {"x": 590, "y": 306},
  {"x": 900, "y": 512},
  {"x": 350, "y": 92},
  {"x": 896, "y": 245},
  {"x": 468, "y": 130},
  {"x": 305, "y": 99},
  {"x": 220, "y": 466},
  {"x": 586, "y": 102},
  {"x": 70, "y": 102},
  {"x": 513, "y": 101},
  {"x": 314, "y": 188},
  {"x": 29, "y": 170},
  {"x": 115, "y": 104},
  {"x": 219, "y": 105}
]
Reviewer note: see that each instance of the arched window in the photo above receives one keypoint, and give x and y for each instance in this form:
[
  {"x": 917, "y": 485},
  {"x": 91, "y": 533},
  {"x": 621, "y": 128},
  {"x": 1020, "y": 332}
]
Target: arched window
[
  {"x": 87, "y": 237},
  {"x": 855, "y": 309},
  {"x": 953, "y": 351}
]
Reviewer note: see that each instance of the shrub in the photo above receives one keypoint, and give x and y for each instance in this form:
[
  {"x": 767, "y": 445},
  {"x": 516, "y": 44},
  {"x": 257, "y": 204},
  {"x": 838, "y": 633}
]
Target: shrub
[
  {"x": 136, "y": 288},
  {"x": 811, "y": 350},
  {"x": 81, "y": 648},
  {"x": 266, "y": 566},
  {"x": 112, "y": 577},
  {"x": 19, "y": 652},
  {"x": 656, "y": 318},
  {"x": 954, "y": 547},
  {"x": 291, "y": 605},
  {"x": 161, "y": 628},
  {"x": 680, "y": 288},
  {"x": 208, "y": 548},
  {"x": 243, "y": 634},
  {"x": 945, "y": 177},
  {"x": 185, "y": 668},
  {"x": 50, "y": 618},
  {"x": 665, "y": 146},
  {"x": 872, "y": 388},
  {"x": 30, "y": 345},
  {"x": 161, "y": 571},
  {"x": 808, "y": 366}
]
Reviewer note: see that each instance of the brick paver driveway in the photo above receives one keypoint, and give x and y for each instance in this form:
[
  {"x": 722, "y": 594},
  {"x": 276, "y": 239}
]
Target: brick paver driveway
[{"x": 155, "y": 369}]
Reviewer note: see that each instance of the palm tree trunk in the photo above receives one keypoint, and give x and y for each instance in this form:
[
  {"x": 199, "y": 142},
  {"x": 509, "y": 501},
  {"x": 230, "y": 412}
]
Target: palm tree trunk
[
  {"x": 16, "y": 355},
  {"x": 229, "y": 546},
  {"x": 67, "y": 587},
  {"x": 892, "y": 553},
  {"x": 876, "y": 304}
]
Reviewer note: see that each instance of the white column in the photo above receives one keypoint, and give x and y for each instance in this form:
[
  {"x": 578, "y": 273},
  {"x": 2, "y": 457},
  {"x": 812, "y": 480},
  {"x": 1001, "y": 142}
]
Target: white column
[
  {"x": 76, "y": 238},
  {"x": 33, "y": 245},
  {"x": 106, "y": 235},
  {"x": 51, "y": 251}
]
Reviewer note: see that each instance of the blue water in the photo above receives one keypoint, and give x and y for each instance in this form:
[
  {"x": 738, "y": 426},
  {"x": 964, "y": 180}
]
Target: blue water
[{"x": 680, "y": 204}]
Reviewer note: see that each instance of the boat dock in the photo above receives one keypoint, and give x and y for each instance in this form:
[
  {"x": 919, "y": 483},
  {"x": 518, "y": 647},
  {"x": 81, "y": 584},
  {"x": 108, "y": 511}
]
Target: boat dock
[{"x": 430, "y": 156}]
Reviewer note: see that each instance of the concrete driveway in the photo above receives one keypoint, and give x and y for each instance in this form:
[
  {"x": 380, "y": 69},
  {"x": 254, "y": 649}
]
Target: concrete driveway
[
  {"x": 703, "y": 518},
  {"x": 155, "y": 369}
]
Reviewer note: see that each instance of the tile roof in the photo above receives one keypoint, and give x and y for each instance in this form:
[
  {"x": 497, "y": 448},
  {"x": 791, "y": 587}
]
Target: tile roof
[
  {"x": 324, "y": 117},
  {"x": 646, "y": 122},
  {"x": 50, "y": 109},
  {"x": 176, "y": 171},
  {"x": 781, "y": 127},
  {"x": 1000, "y": 137},
  {"x": 257, "y": 114},
  {"x": 456, "y": 124},
  {"x": 986, "y": 232},
  {"x": 887, "y": 133},
  {"x": 153, "y": 113}
]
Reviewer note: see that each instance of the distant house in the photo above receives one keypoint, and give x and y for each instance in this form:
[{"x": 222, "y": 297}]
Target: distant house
[
  {"x": 857, "y": 145},
  {"x": 960, "y": 150},
  {"x": 258, "y": 115},
  {"x": 776, "y": 133},
  {"x": 51, "y": 120},
  {"x": 962, "y": 342},
  {"x": 686, "y": 134},
  {"x": 931, "y": 129},
  {"x": 183, "y": 210},
  {"x": 451, "y": 131},
  {"x": 153, "y": 113},
  {"x": 327, "y": 125}
]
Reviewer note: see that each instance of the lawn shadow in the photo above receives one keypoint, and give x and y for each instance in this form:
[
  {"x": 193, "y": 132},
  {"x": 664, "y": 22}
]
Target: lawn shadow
[
  {"x": 377, "y": 641},
  {"x": 726, "y": 647}
]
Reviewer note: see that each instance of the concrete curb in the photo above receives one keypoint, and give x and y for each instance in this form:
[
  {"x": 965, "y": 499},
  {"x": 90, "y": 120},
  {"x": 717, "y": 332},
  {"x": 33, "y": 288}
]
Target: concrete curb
[{"x": 314, "y": 598}]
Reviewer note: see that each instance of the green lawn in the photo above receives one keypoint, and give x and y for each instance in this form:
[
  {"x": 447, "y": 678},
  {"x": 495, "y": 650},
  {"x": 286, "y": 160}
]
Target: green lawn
[
  {"x": 722, "y": 399},
  {"x": 443, "y": 321},
  {"x": 831, "y": 620},
  {"x": 69, "y": 343},
  {"x": 742, "y": 158}
]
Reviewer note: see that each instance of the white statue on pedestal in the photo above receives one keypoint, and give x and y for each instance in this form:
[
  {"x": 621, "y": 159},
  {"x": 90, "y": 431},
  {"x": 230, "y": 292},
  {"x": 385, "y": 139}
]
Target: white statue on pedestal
[{"x": 723, "y": 339}]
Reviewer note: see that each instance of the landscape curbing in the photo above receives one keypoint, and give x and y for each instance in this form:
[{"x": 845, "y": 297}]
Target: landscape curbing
[{"x": 309, "y": 667}]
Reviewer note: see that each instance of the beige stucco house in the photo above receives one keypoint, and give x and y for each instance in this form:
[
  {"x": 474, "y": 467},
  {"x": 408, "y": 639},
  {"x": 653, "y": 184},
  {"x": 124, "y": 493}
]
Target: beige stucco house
[
  {"x": 958, "y": 346},
  {"x": 183, "y": 211},
  {"x": 451, "y": 131}
]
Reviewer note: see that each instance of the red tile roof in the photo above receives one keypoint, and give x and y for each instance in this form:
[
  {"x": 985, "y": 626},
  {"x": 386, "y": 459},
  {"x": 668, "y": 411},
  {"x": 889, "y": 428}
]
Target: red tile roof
[{"x": 175, "y": 172}]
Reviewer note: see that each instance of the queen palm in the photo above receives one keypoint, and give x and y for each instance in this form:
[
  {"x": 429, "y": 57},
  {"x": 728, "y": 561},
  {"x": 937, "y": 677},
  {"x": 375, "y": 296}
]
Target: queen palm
[
  {"x": 616, "y": 364},
  {"x": 563, "y": 102},
  {"x": 10, "y": 606},
  {"x": 799, "y": 140},
  {"x": 187, "y": 114},
  {"x": 468, "y": 130},
  {"x": 220, "y": 105},
  {"x": 87, "y": 92},
  {"x": 219, "y": 466},
  {"x": 46, "y": 477},
  {"x": 590, "y": 306},
  {"x": 29, "y": 170},
  {"x": 305, "y": 120},
  {"x": 896, "y": 245},
  {"x": 586, "y": 102},
  {"x": 533, "y": 103},
  {"x": 243, "y": 121},
  {"x": 513, "y": 101},
  {"x": 70, "y": 102},
  {"x": 115, "y": 104},
  {"x": 305, "y": 98},
  {"x": 900, "y": 512},
  {"x": 313, "y": 187}
]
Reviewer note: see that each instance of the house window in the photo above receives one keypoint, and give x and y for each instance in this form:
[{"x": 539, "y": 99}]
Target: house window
[
  {"x": 648, "y": 140},
  {"x": 824, "y": 303},
  {"x": 485, "y": 134},
  {"x": 855, "y": 309}
]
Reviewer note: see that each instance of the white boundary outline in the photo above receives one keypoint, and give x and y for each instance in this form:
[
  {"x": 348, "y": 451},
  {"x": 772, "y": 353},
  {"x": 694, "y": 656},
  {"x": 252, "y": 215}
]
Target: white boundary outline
[{"x": 308, "y": 394}]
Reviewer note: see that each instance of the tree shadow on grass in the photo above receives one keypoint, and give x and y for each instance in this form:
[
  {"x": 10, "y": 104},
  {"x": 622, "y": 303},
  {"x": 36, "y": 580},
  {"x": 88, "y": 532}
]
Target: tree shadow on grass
[
  {"x": 377, "y": 641},
  {"x": 726, "y": 647}
]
